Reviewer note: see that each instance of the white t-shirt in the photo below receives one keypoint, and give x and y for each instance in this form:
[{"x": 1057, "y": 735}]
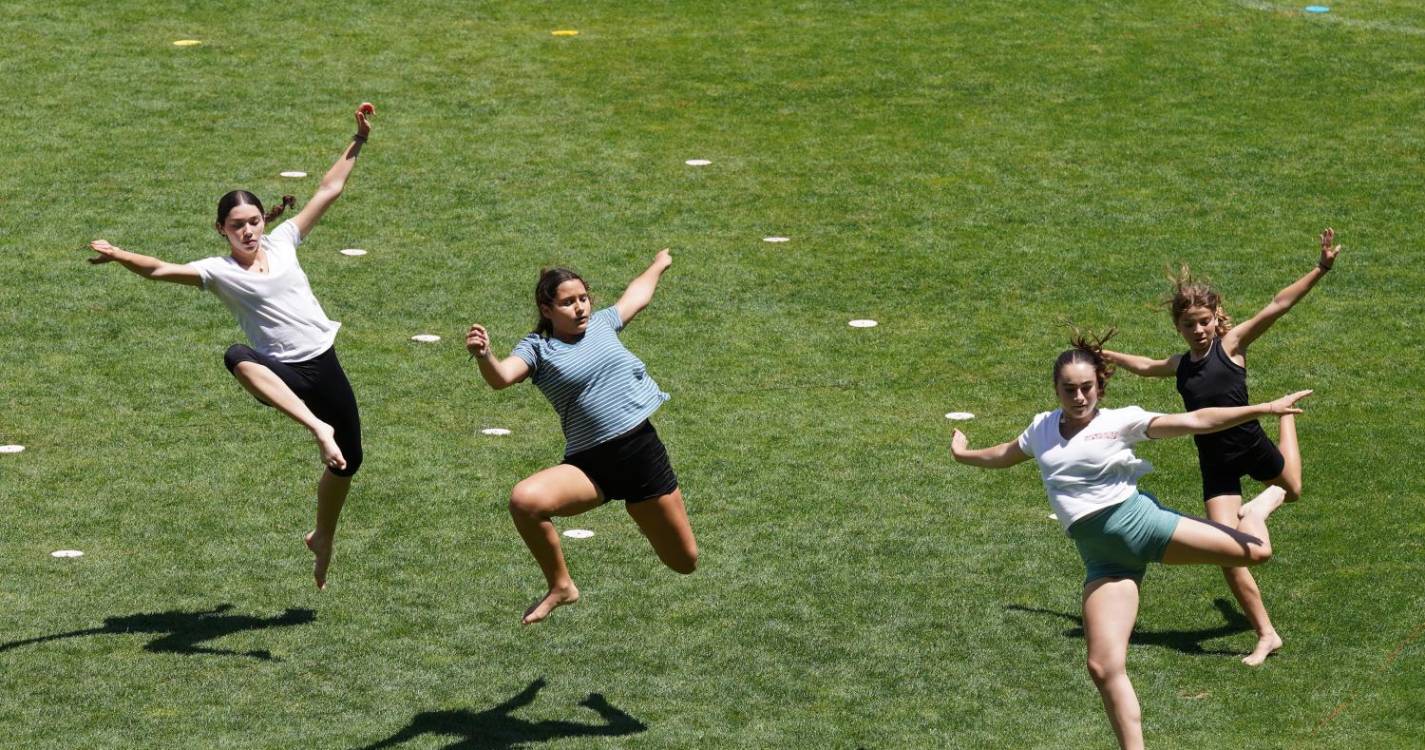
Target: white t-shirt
[
  {"x": 276, "y": 310},
  {"x": 1091, "y": 470}
]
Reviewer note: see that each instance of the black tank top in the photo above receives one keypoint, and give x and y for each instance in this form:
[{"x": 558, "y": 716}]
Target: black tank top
[{"x": 1216, "y": 380}]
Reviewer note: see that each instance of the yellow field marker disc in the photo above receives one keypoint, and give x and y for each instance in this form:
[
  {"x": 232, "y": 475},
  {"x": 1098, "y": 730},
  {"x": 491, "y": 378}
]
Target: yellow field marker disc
[
  {"x": 187, "y": 43},
  {"x": 564, "y": 32}
]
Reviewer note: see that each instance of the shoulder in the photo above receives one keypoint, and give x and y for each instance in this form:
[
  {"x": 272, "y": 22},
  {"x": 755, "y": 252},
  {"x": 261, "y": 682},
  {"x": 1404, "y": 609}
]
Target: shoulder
[
  {"x": 1130, "y": 421},
  {"x": 286, "y": 235},
  {"x": 609, "y": 316},
  {"x": 1029, "y": 440},
  {"x": 210, "y": 268}
]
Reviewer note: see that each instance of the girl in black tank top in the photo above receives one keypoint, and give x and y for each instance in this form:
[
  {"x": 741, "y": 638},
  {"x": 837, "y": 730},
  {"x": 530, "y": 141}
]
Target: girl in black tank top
[{"x": 1213, "y": 372}]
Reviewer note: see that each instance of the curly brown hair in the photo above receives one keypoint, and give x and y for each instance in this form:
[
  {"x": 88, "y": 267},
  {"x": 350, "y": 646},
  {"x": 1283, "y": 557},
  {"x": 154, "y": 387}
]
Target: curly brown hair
[{"x": 1189, "y": 292}]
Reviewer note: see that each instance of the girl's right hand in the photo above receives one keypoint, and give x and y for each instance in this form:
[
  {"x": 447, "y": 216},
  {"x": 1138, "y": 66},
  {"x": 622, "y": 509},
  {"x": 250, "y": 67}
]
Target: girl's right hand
[
  {"x": 1329, "y": 250},
  {"x": 477, "y": 341},
  {"x": 958, "y": 443},
  {"x": 1287, "y": 404},
  {"x": 363, "y": 123},
  {"x": 105, "y": 250}
]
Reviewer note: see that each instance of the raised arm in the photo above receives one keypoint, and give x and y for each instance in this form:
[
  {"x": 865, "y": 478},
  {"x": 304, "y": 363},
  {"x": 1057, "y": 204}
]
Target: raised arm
[
  {"x": 1241, "y": 336},
  {"x": 145, "y": 266},
  {"x": 1215, "y": 418},
  {"x": 640, "y": 291},
  {"x": 335, "y": 179},
  {"x": 499, "y": 373},
  {"x": 1145, "y": 366},
  {"x": 1001, "y": 456}
]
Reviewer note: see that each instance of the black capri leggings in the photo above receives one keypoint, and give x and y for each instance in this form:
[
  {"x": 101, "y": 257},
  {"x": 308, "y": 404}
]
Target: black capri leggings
[{"x": 322, "y": 385}]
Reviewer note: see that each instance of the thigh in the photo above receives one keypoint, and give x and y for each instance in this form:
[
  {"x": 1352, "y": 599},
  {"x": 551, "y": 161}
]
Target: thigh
[
  {"x": 1200, "y": 541},
  {"x": 562, "y": 490},
  {"x": 664, "y": 520},
  {"x": 1110, "y": 609}
]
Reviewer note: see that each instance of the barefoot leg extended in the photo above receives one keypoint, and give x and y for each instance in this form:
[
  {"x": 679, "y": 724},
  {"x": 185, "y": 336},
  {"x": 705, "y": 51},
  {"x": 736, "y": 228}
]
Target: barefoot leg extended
[
  {"x": 267, "y": 387},
  {"x": 331, "y": 496},
  {"x": 1290, "y": 479},
  {"x": 1223, "y": 509},
  {"x": 561, "y": 490},
  {"x": 1197, "y": 541},
  {"x": 664, "y": 520},
  {"x": 1110, "y": 608}
]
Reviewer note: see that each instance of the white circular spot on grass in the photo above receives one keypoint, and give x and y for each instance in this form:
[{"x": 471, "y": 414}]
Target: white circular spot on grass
[
  {"x": 959, "y": 416},
  {"x": 776, "y": 239},
  {"x": 697, "y": 162},
  {"x": 12, "y": 448},
  {"x": 494, "y": 431},
  {"x": 1053, "y": 517},
  {"x": 66, "y": 553},
  {"x": 863, "y": 324},
  {"x": 564, "y": 32},
  {"x": 353, "y": 252},
  {"x": 187, "y": 43},
  {"x": 578, "y": 533},
  {"x": 426, "y": 338},
  {"x": 292, "y": 173}
]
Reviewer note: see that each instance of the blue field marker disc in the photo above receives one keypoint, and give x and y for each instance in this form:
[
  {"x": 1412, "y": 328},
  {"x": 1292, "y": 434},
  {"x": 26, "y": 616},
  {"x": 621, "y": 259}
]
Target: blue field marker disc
[{"x": 1316, "y": 9}]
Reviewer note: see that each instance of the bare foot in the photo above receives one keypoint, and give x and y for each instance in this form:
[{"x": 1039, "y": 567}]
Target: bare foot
[
  {"x": 1263, "y": 504},
  {"x": 322, "y": 551},
  {"x": 1266, "y": 644},
  {"x": 326, "y": 443},
  {"x": 557, "y": 597}
]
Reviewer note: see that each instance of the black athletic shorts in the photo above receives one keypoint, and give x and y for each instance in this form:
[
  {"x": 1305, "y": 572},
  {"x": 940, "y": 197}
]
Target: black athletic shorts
[
  {"x": 322, "y": 385},
  {"x": 633, "y": 466},
  {"x": 1223, "y": 476}
]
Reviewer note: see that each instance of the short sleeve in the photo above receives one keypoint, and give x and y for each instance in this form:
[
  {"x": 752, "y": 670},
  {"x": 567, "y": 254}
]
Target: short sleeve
[
  {"x": 1025, "y": 446},
  {"x": 1026, "y": 438},
  {"x": 205, "y": 269},
  {"x": 609, "y": 317},
  {"x": 528, "y": 350},
  {"x": 287, "y": 234},
  {"x": 1133, "y": 427}
]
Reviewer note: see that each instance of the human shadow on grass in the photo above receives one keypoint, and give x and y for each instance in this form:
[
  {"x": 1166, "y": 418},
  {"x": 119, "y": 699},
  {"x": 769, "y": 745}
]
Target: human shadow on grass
[
  {"x": 180, "y": 631},
  {"x": 496, "y": 729},
  {"x": 1187, "y": 641}
]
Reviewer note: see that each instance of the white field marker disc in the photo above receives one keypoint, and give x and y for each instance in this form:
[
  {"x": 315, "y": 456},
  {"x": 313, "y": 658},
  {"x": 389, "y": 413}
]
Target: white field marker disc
[
  {"x": 863, "y": 324},
  {"x": 697, "y": 162},
  {"x": 187, "y": 43},
  {"x": 959, "y": 416},
  {"x": 12, "y": 448},
  {"x": 425, "y": 338},
  {"x": 578, "y": 533},
  {"x": 292, "y": 173},
  {"x": 776, "y": 239},
  {"x": 66, "y": 553},
  {"x": 353, "y": 252},
  {"x": 494, "y": 431},
  {"x": 1053, "y": 517}
]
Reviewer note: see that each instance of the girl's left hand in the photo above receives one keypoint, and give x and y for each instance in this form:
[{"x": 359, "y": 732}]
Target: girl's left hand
[
  {"x": 1287, "y": 404},
  {"x": 958, "y": 443},
  {"x": 1329, "y": 250},
  {"x": 663, "y": 258},
  {"x": 363, "y": 118}
]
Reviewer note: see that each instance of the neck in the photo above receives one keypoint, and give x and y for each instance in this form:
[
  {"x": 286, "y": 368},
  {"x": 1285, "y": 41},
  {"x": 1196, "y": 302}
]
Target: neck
[{"x": 1069, "y": 426}]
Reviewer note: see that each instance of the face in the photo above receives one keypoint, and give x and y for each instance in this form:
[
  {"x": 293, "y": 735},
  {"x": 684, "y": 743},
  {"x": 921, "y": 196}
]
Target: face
[
  {"x": 569, "y": 312},
  {"x": 1197, "y": 326},
  {"x": 243, "y": 228},
  {"x": 1077, "y": 389}
]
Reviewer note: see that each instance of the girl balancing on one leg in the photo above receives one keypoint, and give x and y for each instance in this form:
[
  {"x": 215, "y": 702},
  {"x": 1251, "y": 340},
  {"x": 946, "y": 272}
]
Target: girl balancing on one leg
[
  {"x": 1213, "y": 372},
  {"x": 604, "y": 397},
  {"x": 291, "y": 364},
  {"x": 1085, "y": 456}
]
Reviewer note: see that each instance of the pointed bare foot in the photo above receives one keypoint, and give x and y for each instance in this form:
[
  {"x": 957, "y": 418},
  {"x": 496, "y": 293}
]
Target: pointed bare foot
[
  {"x": 326, "y": 443},
  {"x": 1266, "y": 645},
  {"x": 1264, "y": 504},
  {"x": 322, "y": 551},
  {"x": 557, "y": 597}
]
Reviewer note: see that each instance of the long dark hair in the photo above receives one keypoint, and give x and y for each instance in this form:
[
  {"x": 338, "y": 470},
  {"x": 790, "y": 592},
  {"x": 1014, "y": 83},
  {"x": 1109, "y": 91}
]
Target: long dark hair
[
  {"x": 1088, "y": 349},
  {"x": 544, "y": 291},
  {"x": 243, "y": 198}
]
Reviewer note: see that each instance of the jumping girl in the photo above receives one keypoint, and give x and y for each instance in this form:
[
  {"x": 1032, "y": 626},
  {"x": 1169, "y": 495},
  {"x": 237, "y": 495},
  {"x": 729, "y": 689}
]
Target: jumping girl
[
  {"x": 604, "y": 397},
  {"x": 291, "y": 364},
  {"x": 1213, "y": 372},
  {"x": 1085, "y": 457}
]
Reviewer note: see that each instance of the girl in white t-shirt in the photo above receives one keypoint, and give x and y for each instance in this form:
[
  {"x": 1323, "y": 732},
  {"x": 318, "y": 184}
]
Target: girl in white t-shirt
[
  {"x": 291, "y": 364},
  {"x": 1085, "y": 457}
]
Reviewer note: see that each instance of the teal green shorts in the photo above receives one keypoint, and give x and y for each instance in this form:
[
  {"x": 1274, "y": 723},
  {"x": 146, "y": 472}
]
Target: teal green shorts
[{"x": 1120, "y": 540}]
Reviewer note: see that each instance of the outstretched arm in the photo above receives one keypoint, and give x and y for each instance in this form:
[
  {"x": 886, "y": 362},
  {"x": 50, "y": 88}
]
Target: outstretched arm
[
  {"x": 1144, "y": 366},
  {"x": 335, "y": 179},
  {"x": 499, "y": 373},
  {"x": 1001, "y": 456},
  {"x": 145, "y": 266},
  {"x": 1215, "y": 418},
  {"x": 640, "y": 291},
  {"x": 1239, "y": 338}
]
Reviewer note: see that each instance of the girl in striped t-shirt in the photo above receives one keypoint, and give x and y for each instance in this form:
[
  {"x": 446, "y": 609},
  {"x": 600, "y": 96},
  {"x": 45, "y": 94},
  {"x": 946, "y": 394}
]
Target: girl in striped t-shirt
[{"x": 604, "y": 397}]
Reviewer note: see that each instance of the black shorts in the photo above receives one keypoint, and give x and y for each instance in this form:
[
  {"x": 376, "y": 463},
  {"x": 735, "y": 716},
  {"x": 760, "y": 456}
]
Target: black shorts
[
  {"x": 322, "y": 385},
  {"x": 633, "y": 466},
  {"x": 1223, "y": 476}
]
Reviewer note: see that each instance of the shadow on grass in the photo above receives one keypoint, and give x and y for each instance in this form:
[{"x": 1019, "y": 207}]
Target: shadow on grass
[
  {"x": 180, "y": 632},
  {"x": 495, "y": 729},
  {"x": 1186, "y": 641}
]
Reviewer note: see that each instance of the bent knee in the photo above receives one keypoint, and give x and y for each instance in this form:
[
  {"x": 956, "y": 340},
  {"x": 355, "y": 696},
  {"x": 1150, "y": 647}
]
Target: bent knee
[
  {"x": 1103, "y": 670},
  {"x": 685, "y": 563},
  {"x": 1259, "y": 553},
  {"x": 353, "y": 463},
  {"x": 527, "y": 499}
]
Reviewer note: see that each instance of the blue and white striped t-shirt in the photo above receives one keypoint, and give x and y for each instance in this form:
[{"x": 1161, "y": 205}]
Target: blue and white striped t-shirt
[{"x": 598, "y": 388}]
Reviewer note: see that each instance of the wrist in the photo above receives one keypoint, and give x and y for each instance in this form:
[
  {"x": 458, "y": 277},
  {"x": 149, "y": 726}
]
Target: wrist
[
  {"x": 359, "y": 138},
  {"x": 1323, "y": 265}
]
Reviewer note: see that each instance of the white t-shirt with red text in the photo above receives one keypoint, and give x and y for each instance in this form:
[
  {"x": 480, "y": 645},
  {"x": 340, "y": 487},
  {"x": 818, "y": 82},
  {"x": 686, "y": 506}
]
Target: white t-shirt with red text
[{"x": 1095, "y": 468}]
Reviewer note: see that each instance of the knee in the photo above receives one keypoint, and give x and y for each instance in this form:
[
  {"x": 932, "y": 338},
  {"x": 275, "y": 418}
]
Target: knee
[
  {"x": 1259, "y": 552},
  {"x": 686, "y": 562},
  {"x": 353, "y": 458},
  {"x": 1102, "y": 669},
  {"x": 527, "y": 500},
  {"x": 236, "y": 355}
]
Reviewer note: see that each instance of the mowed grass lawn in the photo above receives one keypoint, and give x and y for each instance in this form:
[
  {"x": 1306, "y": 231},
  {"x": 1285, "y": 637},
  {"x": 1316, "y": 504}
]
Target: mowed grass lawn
[{"x": 966, "y": 173}]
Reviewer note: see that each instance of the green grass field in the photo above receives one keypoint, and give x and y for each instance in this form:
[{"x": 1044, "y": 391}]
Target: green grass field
[{"x": 965, "y": 173}]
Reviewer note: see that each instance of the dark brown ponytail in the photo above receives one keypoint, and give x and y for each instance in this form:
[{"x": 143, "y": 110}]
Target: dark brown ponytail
[
  {"x": 237, "y": 198},
  {"x": 277, "y": 210},
  {"x": 1088, "y": 349}
]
